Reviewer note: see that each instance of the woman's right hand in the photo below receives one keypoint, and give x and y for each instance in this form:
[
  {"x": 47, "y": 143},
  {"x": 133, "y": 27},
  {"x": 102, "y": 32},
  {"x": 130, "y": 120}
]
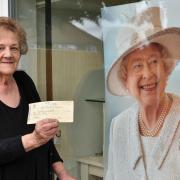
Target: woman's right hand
[{"x": 44, "y": 131}]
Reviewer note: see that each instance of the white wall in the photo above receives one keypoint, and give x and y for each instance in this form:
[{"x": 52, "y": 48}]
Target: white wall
[{"x": 3, "y": 7}]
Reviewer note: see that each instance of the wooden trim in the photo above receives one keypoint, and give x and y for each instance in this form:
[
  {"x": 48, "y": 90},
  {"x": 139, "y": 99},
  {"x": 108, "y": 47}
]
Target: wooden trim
[{"x": 48, "y": 37}]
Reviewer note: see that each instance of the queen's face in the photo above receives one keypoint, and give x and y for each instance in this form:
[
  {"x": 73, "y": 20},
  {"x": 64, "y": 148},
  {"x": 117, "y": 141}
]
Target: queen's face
[
  {"x": 9, "y": 52},
  {"x": 146, "y": 75}
]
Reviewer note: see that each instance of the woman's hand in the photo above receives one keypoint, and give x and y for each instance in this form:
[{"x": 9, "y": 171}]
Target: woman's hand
[{"x": 44, "y": 131}]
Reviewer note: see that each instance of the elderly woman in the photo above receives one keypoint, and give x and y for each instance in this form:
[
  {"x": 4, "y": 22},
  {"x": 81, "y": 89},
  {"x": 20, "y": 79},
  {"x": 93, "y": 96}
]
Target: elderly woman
[
  {"x": 26, "y": 151},
  {"x": 145, "y": 138}
]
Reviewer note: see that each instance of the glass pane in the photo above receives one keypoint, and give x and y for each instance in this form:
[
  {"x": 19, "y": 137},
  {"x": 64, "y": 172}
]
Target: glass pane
[
  {"x": 76, "y": 44},
  {"x": 77, "y": 69},
  {"x": 31, "y": 15},
  {"x": 26, "y": 14}
]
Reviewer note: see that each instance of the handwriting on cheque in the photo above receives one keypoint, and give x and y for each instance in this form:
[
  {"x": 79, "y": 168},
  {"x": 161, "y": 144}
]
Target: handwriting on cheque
[{"x": 60, "y": 110}]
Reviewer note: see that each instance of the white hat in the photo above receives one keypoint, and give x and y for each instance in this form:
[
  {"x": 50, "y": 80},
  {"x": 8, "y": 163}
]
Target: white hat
[{"x": 146, "y": 29}]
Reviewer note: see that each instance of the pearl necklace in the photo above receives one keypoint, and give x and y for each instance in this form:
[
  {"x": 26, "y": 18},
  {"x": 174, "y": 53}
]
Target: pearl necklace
[{"x": 154, "y": 131}]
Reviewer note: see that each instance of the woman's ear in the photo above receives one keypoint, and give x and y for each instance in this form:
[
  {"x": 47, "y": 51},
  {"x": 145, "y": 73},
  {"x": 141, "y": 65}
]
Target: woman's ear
[{"x": 169, "y": 65}]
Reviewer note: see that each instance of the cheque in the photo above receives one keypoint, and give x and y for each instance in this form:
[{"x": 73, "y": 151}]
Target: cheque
[{"x": 61, "y": 110}]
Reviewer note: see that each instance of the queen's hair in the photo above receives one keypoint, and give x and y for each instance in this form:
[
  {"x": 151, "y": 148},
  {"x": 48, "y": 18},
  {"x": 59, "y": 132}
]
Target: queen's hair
[{"x": 13, "y": 26}]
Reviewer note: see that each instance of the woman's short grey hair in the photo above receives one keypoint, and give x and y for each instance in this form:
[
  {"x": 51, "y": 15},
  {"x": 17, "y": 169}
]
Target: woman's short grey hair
[
  {"x": 169, "y": 63},
  {"x": 11, "y": 25}
]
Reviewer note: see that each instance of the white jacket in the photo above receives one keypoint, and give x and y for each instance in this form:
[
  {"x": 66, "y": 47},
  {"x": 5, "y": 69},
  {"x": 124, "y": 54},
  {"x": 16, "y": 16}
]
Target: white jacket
[{"x": 125, "y": 161}]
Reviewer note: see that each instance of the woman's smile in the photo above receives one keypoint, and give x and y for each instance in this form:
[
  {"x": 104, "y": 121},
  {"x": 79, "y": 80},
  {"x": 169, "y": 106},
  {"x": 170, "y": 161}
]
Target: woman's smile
[{"x": 149, "y": 87}]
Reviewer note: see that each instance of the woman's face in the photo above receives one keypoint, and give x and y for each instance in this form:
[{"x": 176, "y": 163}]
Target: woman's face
[
  {"x": 9, "y": 52},
  {"x": 146, "y": 76}
]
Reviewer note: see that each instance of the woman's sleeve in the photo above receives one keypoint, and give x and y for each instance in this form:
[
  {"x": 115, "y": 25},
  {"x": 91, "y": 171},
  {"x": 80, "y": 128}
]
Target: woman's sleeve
[
  {"x": 33, "y": 96},
  {"x": 28, "y": 86},
  {"x": 54, "y": 155},
  {"x": 10, "y": 149}
]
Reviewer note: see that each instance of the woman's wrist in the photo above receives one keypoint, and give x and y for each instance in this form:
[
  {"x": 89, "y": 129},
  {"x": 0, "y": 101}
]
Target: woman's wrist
[
  {"x": 61, "y": 172},
  {"x": 59, "y": 169},
  {"x": 30, "y": 142}
]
